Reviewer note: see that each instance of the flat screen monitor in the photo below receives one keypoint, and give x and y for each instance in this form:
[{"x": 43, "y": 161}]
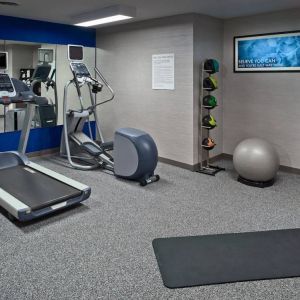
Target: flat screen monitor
[
  {"x": 3, "y": 61},
  {"x": 75, "y": 52}
]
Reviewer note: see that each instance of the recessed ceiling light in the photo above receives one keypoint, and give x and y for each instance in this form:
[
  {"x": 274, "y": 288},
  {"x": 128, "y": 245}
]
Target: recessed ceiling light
[
  {"x": 106, "y": 15},
  {"x": 9, "y": 3}
]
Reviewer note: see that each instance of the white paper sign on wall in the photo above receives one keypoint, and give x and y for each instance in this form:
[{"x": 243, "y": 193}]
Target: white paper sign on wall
[{"x": 163, "y": 72}]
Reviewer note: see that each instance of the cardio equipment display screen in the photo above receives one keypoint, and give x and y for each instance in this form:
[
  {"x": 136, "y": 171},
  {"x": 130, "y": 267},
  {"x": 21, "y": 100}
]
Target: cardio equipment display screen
[
  {"x": 80, "y": 69},
  {"x": 3, "y": 60},
  {"x": 75, "y": 52}
]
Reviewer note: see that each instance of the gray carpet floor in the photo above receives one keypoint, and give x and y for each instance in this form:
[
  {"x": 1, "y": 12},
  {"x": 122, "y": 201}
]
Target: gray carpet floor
[{"x": 103, "y": 248}]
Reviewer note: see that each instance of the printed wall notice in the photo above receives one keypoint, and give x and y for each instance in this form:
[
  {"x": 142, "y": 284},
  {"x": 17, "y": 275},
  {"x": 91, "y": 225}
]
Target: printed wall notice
[{"x": 163, "y": 71}]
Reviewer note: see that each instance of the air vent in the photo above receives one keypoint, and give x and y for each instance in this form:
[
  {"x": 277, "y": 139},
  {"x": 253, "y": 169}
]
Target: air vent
[{"x": 9, "y": 3}]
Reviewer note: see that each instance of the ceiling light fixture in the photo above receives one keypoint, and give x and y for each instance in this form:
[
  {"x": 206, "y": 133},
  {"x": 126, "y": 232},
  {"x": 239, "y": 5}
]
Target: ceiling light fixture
[
  {"x": 9, "y": 3},
  {"x": 106, "y": 15},
  {"x": 104, "y": 20}
]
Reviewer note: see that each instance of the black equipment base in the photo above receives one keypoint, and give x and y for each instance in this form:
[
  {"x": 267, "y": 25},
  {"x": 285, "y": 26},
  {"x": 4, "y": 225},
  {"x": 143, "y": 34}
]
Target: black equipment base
[
  {"x": 224, "y": 258},
  {"x": 210, "y": 170},
  {"x": 259, "y": 184},
  {"x": 35, "y": 189}
]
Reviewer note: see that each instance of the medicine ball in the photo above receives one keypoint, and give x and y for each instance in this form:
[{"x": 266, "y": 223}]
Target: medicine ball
[
  {"x": 211, "y": 66},
  {"x": 209, "y": 143},
  {"x": 210, "y": 101},
  {"x": 209, "y": 121},
  {"x": 210, "y": 83}
]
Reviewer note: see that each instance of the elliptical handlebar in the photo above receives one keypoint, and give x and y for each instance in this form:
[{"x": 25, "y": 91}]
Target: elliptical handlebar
[
  {"x": 82, "y": 76},
  {"x": 107, "y": 85}
]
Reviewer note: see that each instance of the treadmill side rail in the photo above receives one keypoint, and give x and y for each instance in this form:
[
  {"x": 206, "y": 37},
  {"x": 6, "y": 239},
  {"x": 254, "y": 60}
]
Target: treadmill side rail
[
  {"x": 11, "y": 158},
  {"x": 62, "y": 178},
  {"x": 12, "y": 204}
]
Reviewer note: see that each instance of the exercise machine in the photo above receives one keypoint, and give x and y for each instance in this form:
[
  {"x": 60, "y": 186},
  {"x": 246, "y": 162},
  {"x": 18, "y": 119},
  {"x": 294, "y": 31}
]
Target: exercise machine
[
  {"x": 134, "y": 154},
  {"x": 44, "y": 115},
  {"x": 28, "y": 190},
  {"x": 45, "y": 110}
]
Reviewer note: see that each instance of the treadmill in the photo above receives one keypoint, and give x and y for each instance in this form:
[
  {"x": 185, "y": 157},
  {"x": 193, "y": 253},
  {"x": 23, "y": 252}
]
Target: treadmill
[{"x": 28, "y": 190}]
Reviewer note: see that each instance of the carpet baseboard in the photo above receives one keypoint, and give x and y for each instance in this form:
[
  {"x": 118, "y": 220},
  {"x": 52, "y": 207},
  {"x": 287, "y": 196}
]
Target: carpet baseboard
[
  {"x": 174, "y": 162},
  {"x": 222, "y": 156},
  {"x": 43, "y": 152},
  {"x": 187, "y": 166}
]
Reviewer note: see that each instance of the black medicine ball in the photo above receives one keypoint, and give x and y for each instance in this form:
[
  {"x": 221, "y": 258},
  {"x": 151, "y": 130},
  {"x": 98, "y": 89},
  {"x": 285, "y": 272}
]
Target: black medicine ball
[{"x": 211, "y": 66}]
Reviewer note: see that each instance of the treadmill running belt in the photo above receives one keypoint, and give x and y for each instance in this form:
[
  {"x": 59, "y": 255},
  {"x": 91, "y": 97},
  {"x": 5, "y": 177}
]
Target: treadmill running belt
[{"x": 35, "y": 189}]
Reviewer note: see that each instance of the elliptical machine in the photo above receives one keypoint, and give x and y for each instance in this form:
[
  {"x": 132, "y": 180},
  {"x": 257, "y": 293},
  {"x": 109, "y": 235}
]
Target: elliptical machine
[{"x": 135, "y": 153}]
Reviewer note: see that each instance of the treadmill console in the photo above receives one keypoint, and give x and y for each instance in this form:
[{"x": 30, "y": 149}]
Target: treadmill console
[
  {"x": 7, "y": 88},
  {"x": 80, "y": 69}
]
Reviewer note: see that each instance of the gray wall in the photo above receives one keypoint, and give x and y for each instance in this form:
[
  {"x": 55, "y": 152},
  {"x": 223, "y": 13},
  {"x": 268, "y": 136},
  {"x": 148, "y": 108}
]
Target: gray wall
[
  {"x": 21, "y": 56},
  {"x": 259, "y": 104},
  {"x": 171, "y": 117},
  {"x": 124, "y": 56}
]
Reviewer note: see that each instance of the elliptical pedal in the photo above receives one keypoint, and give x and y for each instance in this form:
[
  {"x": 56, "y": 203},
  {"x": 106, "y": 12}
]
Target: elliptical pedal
[
  {"x": 91, "y": 149},
  {"x": 107, "y": 146}
]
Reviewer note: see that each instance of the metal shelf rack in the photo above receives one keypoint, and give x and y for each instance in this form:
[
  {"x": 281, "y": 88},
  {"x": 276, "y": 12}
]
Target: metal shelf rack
[{"x": 205, "y": 167}]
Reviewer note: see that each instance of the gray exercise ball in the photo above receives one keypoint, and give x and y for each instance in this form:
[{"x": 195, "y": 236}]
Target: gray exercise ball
[{"x": 256, "y": 160}]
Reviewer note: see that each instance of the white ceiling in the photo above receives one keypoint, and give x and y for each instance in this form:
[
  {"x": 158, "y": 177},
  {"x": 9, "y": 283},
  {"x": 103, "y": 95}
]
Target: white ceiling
[{"x": 61, "y": 11}]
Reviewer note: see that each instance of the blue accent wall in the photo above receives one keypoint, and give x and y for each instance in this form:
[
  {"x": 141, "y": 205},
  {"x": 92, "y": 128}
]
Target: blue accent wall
[
  {"x": 26, "y": 30},
  {"x": 39, "y": 138},
  {"x": 45, "y": 32}
]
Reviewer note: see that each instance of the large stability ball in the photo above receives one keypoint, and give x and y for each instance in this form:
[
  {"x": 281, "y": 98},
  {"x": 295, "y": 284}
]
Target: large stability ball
[{"x": 256, "y": 160}]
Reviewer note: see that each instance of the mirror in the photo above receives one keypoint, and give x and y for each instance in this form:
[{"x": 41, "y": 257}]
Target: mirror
[
  {"x": 2, "y": 48},
  {"x": 44, "y": 69},
  {"x": 33, "y": 64}
]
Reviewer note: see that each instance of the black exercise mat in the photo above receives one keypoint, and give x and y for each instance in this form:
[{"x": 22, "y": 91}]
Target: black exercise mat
[{"x": 224, "y": 258}]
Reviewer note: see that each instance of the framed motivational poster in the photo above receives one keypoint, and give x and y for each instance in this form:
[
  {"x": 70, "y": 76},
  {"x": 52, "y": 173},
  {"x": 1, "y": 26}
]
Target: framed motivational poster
[{"x": 275, "y": 52}]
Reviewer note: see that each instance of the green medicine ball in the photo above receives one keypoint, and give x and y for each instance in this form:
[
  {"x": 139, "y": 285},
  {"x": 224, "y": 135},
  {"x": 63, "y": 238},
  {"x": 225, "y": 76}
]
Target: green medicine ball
[
  {"x": 211, "y": 66},
  {"x": 210, "y": 101}
]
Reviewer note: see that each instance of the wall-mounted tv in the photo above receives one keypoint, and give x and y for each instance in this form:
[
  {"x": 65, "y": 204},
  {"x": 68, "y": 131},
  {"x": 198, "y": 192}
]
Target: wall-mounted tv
[{"x": 273, "y": 52}]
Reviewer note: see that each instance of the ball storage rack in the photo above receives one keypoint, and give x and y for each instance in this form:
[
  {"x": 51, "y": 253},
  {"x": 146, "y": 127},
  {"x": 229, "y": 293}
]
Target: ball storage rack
[{"x": 205, "y": 167}]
